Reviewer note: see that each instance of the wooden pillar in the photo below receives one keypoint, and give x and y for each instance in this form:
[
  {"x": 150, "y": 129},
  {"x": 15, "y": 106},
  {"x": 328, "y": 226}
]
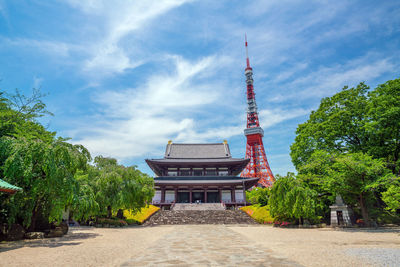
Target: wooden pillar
[
  {"x": 162, "y": 194},
  {"x": 176, "y": 194},
  {"x": 220, "y": 194},
  {"x": 205, "y": 195},
  {"x": 190, "y": 195},
  {"x": 233, "y": 197}
]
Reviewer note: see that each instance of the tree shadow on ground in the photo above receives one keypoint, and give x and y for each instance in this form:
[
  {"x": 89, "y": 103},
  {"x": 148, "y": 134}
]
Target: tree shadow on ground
[{"x": 66, "y": 240}]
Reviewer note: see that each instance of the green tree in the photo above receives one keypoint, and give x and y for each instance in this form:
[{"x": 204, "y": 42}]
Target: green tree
[
  {"x": 258, "y": 195},
  {"x": 354, "y": 176},
  {"x": 384, "y": 124},
  {"x": 338, "y": 125},
  {"x": 108, "y": 186},
  {"x": 392, "y": 197},
  {"x": 45, "y": 172},
  {"x": 291, "y": 200},
  {"x": 19, "y": 114}
]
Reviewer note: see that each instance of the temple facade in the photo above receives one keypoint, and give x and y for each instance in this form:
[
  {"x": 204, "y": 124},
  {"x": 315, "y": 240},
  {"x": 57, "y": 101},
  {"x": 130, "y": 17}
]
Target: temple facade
[{"x": 199, "y": 173}]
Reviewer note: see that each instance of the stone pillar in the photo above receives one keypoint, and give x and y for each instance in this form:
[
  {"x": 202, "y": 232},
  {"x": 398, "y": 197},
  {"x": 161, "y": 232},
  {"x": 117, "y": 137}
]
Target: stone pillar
[
  {"x": 190, "y": 195},
  {"x": 205, "y": 195},
  {"x": 162, "y": 194},
  {"x": 176, "y": 195}
]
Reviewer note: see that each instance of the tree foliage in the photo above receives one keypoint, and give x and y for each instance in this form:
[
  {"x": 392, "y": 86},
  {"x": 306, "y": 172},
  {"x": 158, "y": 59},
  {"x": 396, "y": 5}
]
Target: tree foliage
[
  {"x": 291, "y": 200},
  {"x": 108, "y": 186},
  {"x": 55, "y": 174},
  {"x": 45, "y": 172},
  {"x": 258, "y": 196},
  {"x": 351, "y": 145}
]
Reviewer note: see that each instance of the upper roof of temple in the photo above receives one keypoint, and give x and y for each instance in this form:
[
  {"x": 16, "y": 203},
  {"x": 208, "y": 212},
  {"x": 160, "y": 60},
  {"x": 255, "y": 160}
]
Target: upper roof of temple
[
  {"x": 214, "y": 155},
  {"x": 198, "y": 151}
]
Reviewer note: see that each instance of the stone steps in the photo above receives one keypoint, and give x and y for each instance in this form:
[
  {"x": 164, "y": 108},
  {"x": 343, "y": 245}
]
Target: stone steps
[
  {"x": 171, "y": 217},
  {"x": 202, "y": 206}
]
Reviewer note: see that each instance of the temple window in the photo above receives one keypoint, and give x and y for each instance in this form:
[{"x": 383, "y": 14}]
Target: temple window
[
  {"x": 211, "y": 171},
  {"x": 172, "y": 172},
  {"x": 197, "y": 172},
  {"x": 184, "y": 171},
  {"x": 223, "y": 172}
]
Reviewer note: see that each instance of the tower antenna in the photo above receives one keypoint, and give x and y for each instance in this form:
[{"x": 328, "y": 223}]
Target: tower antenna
[{"x": 247, "y": 52}]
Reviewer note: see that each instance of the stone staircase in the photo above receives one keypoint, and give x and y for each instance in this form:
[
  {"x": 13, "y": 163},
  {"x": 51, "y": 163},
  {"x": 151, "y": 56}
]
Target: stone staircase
[
  {"x": 165, "y": 217},
  {"x": 203, "y": 206}
]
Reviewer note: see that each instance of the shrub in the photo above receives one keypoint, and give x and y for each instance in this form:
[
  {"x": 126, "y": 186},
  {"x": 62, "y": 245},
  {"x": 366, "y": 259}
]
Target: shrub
[
  {"x": 258, "y": 196},
  {"x": 131, "y": 221},
  {"x": 142, "y": 215},
  {"x": 259, "y": 214},
  {"x": 112, "y": 221}
]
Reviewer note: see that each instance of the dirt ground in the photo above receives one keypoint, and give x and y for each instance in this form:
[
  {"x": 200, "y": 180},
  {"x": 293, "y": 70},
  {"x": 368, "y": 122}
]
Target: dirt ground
[
  {"x": 329, "y": 247},
  {"x": 206, "y": 246}
]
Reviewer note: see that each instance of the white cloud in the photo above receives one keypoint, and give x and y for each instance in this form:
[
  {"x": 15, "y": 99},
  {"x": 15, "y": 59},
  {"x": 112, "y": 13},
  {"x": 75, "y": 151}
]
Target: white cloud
[
  {"x": 271, "y": 117},
  {"x": 120, "y": 19},
  {"x": 138, "y": 120},
  {"x": 54, "y": 48},
  {"x": 37, "y": 82},
  {"x": 327, "y": 80}
]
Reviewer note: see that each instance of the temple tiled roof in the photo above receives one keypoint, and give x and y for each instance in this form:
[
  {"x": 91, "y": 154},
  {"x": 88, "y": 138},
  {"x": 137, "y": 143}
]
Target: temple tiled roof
[
  {"x": 232, "y": 181},
  {"x": 198, "y": 178},
  {"x": 197, "y": 151},
  {"x": 9, "y": 188}
]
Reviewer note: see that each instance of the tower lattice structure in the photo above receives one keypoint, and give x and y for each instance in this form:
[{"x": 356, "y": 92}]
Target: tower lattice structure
[{"x": 258, "y": 165}]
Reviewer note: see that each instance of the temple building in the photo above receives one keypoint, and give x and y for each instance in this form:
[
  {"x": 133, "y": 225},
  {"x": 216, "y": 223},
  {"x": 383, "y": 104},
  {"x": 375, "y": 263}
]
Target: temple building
[{"x": 199, "y": 173}]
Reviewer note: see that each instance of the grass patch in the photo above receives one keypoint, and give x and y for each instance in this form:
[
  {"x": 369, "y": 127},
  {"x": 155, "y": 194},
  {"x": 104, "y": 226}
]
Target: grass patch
[
  {"x": 259, "y": 214},
  {"x": 140, "y": 216}
]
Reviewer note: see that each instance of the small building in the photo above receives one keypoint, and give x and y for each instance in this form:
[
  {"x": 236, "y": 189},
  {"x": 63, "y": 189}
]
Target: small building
[
  {"x": 199, "y": 173},
  {"x": 8, "y": 188},
  {"x": 341, "y": 214}
]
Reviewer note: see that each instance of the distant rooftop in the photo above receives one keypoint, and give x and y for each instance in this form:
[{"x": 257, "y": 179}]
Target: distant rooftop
[{"x": 197, "y": 151}]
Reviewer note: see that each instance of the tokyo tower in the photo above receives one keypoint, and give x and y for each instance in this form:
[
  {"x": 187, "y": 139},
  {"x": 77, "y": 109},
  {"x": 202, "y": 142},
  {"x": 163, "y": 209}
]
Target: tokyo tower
[{"x": 258, "y": 165}]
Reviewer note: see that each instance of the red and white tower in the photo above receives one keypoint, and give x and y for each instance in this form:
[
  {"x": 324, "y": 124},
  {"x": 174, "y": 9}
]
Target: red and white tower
[{"x": 258, "y": 165}]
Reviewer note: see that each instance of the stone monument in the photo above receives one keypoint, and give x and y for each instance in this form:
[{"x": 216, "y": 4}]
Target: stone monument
[{"x": 341, "y": 214}]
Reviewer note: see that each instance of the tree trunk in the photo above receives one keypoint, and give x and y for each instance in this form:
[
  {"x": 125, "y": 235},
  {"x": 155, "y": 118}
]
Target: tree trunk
[
  {"x": 109, "y": 213},
  {"x": 33, "y": 219},
  {"x": 35, "y": 215},
  {"x": 364, "y": 210}
]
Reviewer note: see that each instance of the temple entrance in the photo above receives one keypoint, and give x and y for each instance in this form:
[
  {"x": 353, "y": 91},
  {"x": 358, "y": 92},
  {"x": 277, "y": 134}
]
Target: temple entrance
[
  {"x": 183, "y": 197},
  {"x": 198, "y": 197},
  {"x": 213, "y": 197},
  {"x": 340, "y": 217}
]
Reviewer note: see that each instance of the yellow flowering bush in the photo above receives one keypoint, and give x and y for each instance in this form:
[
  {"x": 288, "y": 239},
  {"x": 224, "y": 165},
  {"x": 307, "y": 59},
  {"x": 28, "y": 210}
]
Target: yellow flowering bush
[
  {"x": 259, "y": 214},
  {"x": 140, "y": 216}
]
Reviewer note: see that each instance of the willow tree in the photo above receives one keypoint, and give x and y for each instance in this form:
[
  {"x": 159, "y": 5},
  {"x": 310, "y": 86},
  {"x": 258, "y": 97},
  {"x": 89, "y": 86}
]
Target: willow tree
[
  {"x": 108, "y": 186},
  {"x": 292, "y": 200},
  {"x": 45, "y": 172}
]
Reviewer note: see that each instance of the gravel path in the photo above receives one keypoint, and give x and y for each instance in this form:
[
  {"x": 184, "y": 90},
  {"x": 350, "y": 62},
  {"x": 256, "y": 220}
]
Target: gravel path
[
  {"x": 329, "y": 247},
  {"x": 389, "y": 257},
  {"x": 208, "y": 245}
]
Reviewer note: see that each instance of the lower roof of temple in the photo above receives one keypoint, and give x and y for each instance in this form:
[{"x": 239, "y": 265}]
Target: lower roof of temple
[{"x": 181, "y": 181}]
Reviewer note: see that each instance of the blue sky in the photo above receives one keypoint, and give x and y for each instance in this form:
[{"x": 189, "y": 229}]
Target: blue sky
[{"x": 124, "y": 77}]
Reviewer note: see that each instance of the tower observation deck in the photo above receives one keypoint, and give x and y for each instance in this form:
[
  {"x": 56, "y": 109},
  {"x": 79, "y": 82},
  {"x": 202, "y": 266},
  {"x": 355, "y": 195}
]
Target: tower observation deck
[{"x": 258, "y": 166}]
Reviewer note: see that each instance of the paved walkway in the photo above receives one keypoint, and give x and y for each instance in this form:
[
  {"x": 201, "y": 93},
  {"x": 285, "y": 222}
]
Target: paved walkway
[{"x": 206, "y": 245}]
